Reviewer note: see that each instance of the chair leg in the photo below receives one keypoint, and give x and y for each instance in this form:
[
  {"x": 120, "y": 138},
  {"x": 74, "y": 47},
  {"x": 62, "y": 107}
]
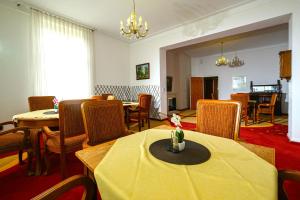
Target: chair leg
[
  {"x": 20, "y": 157},
  {"x": 272, "y": 117},
  {"x": 148, "y": 123},
  {"x": 142, "y": 123},
  {"x": 257, "y": 117},
  {"x": 63, "y": 165},
  {"x": 30, "y": 171},
  {"x": 246, "y": 121},
  {"x": 139, "y": 122},
  {"x": 46, "y": 160}
]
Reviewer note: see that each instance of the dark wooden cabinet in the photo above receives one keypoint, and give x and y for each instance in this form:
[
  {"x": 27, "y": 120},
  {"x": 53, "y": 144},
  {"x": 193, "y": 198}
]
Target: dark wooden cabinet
[{"x": 285, "y": 64}]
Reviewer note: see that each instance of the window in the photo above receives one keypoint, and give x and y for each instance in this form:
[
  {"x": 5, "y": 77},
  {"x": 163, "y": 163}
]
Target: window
[{"x": 62, "y": 57}]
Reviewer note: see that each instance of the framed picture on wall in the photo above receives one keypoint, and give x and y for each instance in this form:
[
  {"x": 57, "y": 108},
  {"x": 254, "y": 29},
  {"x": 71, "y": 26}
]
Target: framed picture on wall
[
  {"x": 239, "y": 83},
  {"x": 143, "y": 71}
]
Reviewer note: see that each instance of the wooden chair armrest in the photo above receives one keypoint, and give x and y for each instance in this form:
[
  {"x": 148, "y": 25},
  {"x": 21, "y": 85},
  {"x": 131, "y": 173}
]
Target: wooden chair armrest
[
  {"x": 25, "y": 129},
  {"x": 134, "y": 109},
  {"x": 284, "y": 175},
  {"x": 48, "y": 132},
  {"x": 5, "y": 123},
  {"x": 292, "y": 175},
  {"x": 264, "y": 105},
  {"x": 62, "y": 187}
]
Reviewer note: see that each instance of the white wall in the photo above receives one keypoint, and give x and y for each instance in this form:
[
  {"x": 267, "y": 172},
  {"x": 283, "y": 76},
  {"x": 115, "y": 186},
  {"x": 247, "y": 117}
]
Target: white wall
[
  {"x": 179, "y": 67},
  {"x": 111, "y": 60},
  {"x": 255, "y": 15},
  {"x": 184, "y": 68},
  {"x": 14, "y": 62},
  {"x": 261, "y": 66}
]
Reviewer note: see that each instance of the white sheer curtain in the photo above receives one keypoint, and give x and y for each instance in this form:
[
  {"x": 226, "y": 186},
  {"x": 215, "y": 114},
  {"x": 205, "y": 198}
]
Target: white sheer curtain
[{"x": 62, "y": 57}]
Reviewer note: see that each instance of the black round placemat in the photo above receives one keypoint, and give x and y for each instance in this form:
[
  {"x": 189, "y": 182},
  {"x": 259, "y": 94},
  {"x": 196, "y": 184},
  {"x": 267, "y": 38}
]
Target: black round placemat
[
  {"x": 52, "y": 112},
  {"x": 194, "y": 153}
]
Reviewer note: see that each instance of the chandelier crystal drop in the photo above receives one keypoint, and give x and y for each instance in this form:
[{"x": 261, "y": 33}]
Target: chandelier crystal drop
[
  {"x": 236, "y": 62},
  {"x": 222, "y": 60},
  {"x": 133, "y": 28}
]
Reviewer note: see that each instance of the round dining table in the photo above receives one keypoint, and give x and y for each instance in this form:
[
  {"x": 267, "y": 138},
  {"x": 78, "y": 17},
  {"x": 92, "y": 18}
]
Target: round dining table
[
  {"x": 35, "y": 120},
  {"x": 130, "y": 171}
]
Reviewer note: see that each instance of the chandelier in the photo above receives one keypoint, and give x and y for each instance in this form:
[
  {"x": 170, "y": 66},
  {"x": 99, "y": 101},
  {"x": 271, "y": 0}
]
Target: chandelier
[
  {"x": 221, "y": 60},
  {"x": 134, "y": 29},
  {"x": 236, "y": 62}
]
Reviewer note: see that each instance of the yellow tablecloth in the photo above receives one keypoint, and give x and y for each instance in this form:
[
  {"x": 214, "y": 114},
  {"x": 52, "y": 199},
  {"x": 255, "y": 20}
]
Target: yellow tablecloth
[
  {"x": 129, "y": 171},
  {"x": 36, "y": 115}
]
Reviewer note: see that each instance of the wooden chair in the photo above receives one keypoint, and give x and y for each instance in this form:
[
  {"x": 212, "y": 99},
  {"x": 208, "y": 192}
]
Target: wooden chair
[
  {"x": 219, "y": 118},
  {"x": 103, "y": 121},
  {"x": 243, "y": 98},
  {"x": 267, "y": 108},
  {"x": 40, "y": 102},
  {"x": 71, "y": 133},
  {"x": 142, "y": 112},
  {"x": 98, "y": 97},
  {"x": 16, "y": 139},
  {"x": 57, "y": 190},
  {"x": 286, "y": 175}
]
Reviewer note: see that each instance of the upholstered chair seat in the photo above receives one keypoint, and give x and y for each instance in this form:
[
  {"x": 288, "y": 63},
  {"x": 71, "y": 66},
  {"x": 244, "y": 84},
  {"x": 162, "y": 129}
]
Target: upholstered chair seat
[
  {"x": 16, "y": 139},
  {"x": 11, "y": 140},
  {"x": 53, "y": 142}
]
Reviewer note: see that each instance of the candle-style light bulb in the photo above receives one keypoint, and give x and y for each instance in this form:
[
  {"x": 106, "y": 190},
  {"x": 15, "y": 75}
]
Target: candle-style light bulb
[
  {"x": 140, "y": 20},
  {"x": 121, "y": 24},
  {"x": 146, "y": 25},
  {"x": 128, "y": 21}
]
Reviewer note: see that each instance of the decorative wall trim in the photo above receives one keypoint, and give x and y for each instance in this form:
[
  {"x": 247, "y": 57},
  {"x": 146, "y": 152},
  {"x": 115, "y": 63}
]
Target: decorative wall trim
[{"x": 130, "y": 93}]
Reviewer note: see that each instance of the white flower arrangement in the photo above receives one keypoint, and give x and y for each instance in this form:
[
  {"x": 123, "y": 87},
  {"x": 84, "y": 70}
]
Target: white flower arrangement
[
  {"x": 178, "y": 133},
  {"x": 176, "y": 120}
]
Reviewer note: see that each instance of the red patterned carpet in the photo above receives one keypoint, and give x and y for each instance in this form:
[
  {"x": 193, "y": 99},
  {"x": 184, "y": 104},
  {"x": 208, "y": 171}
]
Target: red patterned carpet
[{"x": 14, "y": 184}]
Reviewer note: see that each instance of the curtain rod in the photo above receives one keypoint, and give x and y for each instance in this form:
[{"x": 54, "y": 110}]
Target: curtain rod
[{"x": 57, "y": 16}]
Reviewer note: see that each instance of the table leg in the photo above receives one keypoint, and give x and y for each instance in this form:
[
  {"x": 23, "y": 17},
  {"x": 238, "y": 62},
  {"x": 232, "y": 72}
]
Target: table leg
[
  {"x": 38, "y": 169},
  {"x": 254, "y": 114}
]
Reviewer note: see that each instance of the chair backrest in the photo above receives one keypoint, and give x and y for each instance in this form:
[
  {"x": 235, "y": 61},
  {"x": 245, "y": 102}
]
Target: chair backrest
[
  {"x": 103, "y": 121},
  {"x": 145, "y": 102},
  {"x": 70, "y": 118},
  {"x": 243, "y": 98},
  {"x": 111, "y": 97},
  {"x": 98, "y": 97},
  {"x": 219, "y": 118},
  {"x": 273, "y": 99},
  {"x": 40, "y": 102},
  {"x": 106, "y": 95}
]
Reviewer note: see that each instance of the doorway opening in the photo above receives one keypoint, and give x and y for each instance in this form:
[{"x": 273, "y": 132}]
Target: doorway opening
[{"x": 211, "y": 87}]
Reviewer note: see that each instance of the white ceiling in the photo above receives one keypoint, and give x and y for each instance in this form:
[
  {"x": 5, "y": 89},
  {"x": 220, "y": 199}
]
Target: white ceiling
[
  {"x": 254, "y": 39},
  {"x": 105, "y": 15}
]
